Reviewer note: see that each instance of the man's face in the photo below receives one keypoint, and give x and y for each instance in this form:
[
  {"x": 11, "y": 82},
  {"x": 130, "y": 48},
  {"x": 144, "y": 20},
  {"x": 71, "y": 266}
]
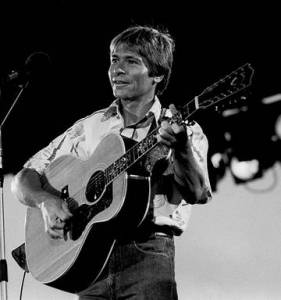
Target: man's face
[{"x": 128, "y": 75}]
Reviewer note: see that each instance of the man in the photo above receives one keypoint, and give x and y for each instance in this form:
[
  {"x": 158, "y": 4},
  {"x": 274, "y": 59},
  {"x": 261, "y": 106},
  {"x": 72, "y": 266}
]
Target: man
[{"x": 141, "y": 265}]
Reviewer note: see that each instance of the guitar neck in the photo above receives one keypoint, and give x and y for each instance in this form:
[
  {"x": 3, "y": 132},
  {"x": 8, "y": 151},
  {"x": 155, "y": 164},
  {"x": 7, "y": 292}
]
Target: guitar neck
[
  {"x": 142, "y": 148},
  {"x": 230, "y": 85},
  {"x": 131, "y": 156}
]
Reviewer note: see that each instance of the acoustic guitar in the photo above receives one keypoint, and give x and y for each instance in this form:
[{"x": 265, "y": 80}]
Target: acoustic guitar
[{"x": 105, "y": 198}]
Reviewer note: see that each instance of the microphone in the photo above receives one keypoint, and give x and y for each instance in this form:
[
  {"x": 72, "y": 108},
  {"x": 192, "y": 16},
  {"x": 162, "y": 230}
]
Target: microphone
[{"x": 35, "y": 65}]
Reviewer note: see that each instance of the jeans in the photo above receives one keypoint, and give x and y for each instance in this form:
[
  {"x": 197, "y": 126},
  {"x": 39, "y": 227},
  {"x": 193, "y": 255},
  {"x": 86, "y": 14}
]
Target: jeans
[{"x": 138, "y": 270}]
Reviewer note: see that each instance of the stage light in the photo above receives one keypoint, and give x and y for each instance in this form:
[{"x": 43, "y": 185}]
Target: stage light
[
  {"x": 243, "y": 171},
  {"x": 249, "y": 140},
  {"x": 271, "y": 99},
  {"x": 234, "y": 111}
]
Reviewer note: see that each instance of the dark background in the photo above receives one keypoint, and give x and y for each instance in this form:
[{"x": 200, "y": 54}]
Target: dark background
[{"x": 211, "y": 41}]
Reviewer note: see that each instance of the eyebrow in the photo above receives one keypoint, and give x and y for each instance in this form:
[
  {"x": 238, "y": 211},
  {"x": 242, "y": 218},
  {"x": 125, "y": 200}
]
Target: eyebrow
[{"x": 128, "y": 56}]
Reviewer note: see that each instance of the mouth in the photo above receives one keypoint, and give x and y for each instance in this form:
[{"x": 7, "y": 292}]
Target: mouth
[{"x": 119, "y": 83}]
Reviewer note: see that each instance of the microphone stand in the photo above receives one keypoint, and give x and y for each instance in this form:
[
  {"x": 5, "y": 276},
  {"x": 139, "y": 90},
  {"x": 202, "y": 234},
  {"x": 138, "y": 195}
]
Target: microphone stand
[{"x": 3, "y": 263}]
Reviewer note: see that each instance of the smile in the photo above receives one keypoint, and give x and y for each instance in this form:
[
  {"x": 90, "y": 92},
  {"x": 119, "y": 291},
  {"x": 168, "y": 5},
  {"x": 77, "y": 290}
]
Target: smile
[{"x": 120, "y": 84}]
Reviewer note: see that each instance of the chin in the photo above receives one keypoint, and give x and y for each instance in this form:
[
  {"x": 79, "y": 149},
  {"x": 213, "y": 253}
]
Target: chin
[
  {"x": 123, "y": 96},
  {"x": 117, "y": 93}
]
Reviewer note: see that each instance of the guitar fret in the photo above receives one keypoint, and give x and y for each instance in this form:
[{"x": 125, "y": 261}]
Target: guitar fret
[
  {"x": 231, "y": 84},
  {"x": 126, "y": 160}
]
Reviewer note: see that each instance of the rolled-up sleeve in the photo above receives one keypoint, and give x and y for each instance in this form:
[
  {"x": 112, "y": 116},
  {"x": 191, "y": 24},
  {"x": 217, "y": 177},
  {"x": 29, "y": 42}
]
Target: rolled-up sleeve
[{"x": 199, "y": 146}]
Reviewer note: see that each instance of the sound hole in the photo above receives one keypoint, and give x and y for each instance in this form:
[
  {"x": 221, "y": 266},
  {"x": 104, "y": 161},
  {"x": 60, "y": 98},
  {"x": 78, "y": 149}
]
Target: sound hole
[
  {"x": 95, "y": 186},
  {"x": 85, "y": 213}
]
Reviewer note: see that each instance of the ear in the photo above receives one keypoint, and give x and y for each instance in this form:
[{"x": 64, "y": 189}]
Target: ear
[{"x": 157, "y": 79}]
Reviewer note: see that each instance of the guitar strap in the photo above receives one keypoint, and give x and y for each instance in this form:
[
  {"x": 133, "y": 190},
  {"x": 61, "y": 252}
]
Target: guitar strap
[
  {"x": 154, "y": 123},
  {"x": 162, "y": 114},
  {"x": 157, "y": 155}
]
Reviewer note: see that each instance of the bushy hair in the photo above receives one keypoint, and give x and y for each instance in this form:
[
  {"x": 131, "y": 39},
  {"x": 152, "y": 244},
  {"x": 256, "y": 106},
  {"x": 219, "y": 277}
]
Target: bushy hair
[{"x": 155, "y": 45}]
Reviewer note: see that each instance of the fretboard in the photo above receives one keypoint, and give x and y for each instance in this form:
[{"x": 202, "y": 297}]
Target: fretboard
[
  {"x": 141, "y": 148},
  {"x": 230, "y": 85}
]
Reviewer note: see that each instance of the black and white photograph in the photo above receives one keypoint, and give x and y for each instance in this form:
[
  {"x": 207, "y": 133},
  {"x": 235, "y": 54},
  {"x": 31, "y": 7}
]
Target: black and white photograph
[{"x": 140, "y": 148}]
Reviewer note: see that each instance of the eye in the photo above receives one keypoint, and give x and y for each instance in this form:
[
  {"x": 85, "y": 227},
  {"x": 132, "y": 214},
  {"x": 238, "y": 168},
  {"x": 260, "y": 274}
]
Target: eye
[
  {"x": 113, "y": 60},
  {"x": 132, "y": 61}
]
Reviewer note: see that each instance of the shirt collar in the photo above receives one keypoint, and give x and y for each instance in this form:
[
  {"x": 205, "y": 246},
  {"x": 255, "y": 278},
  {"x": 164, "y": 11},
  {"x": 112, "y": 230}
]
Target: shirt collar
[{"x": 113, "y": 109}]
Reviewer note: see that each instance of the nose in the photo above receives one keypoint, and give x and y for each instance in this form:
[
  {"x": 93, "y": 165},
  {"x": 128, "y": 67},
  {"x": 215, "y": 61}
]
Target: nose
[{"x": 117, "y": 69}]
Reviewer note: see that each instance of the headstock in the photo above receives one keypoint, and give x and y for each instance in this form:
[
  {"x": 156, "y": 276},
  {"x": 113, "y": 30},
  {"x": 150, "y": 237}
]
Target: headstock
[{"x": 232, "y": 84}]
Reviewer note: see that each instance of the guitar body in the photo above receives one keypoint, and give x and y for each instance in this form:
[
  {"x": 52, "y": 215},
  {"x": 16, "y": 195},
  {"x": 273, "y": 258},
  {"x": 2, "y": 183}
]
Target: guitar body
[
  {"x": 104, "y": 205},
  {"x": 73, "y": 263}
]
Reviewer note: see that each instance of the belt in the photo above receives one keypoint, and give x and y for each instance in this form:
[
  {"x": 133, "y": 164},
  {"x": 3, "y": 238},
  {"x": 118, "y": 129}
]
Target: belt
[
  {"x": 153, "y": 230},
  {"x": 156, "y": 234},
  {"x": 147, "y": 231}
]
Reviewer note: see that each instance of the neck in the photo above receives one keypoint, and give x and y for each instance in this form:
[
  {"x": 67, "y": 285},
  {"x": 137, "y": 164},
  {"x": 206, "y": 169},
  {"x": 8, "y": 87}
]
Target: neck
[{"x": 134, "y": 111}]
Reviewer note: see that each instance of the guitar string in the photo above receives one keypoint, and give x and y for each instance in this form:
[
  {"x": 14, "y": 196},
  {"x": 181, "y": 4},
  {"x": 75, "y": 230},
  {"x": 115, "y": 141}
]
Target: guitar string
[
  {"x": 103, "y": 177},
  {"x": 147, "y": 143}
]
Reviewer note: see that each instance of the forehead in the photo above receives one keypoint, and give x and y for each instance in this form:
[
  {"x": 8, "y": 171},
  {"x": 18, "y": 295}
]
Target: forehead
[{"x": 125, "y": 50}]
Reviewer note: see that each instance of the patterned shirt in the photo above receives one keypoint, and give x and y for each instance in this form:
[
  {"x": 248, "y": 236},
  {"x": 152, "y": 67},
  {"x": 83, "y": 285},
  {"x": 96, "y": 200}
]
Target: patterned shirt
[{"x": 81, "y": 140}]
